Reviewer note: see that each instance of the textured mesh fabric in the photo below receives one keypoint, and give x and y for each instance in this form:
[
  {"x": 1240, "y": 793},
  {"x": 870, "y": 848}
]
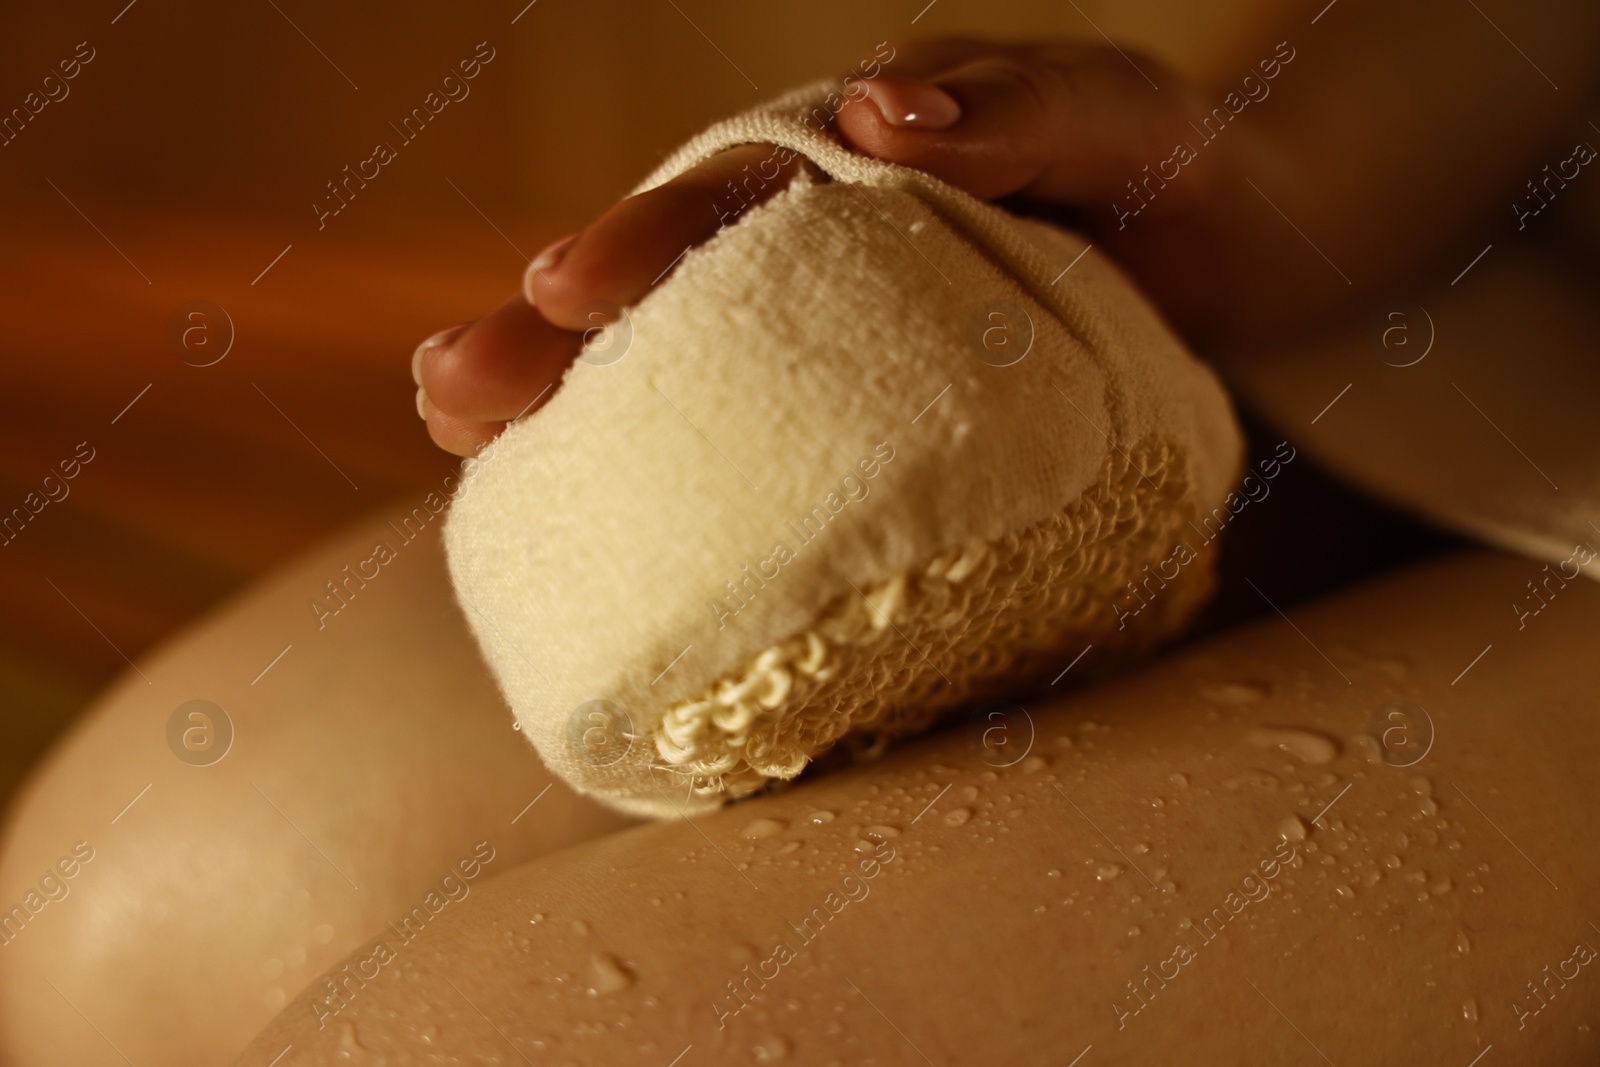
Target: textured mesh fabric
[{"x": 984, "y": 618}]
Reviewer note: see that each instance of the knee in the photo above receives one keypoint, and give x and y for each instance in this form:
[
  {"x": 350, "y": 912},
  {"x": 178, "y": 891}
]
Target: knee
[{"x": 362, "y": 771}]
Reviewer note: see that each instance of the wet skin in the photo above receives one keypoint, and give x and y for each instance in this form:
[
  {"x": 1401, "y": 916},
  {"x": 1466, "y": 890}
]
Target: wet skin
[{"x": 1221, "y": 857}]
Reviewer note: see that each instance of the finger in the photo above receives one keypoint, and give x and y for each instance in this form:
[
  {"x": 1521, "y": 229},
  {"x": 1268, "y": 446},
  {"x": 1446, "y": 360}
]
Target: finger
[
  {"x": 500, "y": 366},
  {"x": 462, "y": 437},
  {"x": 618, "y": 258},
  {"x": 1073, "y": 128}
]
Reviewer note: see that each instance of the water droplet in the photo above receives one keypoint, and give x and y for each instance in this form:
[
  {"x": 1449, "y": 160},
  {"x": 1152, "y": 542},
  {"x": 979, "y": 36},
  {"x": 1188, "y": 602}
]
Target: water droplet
[
  {"x": 1140, "y": 848},
  {"x": 820, "y": 817},
  {"x": 1429, "y": 806},
  {"x": 1134, "y": 931},
  {"x": 1469, "y": 1010},
  {"x": 1371, "y": 877},
  {"x": 880, "y": 832},
  {"x": 1422, "y": 786},
  {"x": 1441, "y": 884},
  {"x": 1463, "y": 943},
  {"x": 1108, "y": 871},
  {"x": 349, "y": 1040},
  {"x": 538, "y": 917},
  {"x": 1052, "y": 873},
  {"x": 272, "y": 968},
  {"x": 1033, "y": 764},
  {"x": 1254, "y": 776},
  {"x": 1179, "y": 780},
  {"x": 579, "y": 926},
  {"x": 788, "y": 847},
  {"x": 958, "y": 817},
  {"x": 1392, "y": 862},
  {"x": 1233, "y": 694},
  {"x": 772, "y": 1048},
  {"x": 607, "y": 975},
  {"x": 1345, "y": 891},
  {"x": 322, "y": 934},
  {"x": 276, "y": 998},
  {"x": 1307, "y": 746},
  {"x": 1294, "y": 828},
  {"x": 757, "y": 829}
]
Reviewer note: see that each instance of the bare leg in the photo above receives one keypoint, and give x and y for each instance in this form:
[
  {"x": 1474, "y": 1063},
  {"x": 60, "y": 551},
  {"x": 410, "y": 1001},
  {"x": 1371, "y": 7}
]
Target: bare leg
[
  {"x": 367, "y": 764},
  {"x": 1221, "y": 859},
  {"x": 1479, "y": 414}
]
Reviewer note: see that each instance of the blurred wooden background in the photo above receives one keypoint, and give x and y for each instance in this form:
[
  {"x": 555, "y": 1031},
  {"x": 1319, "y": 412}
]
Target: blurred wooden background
[{"x": 186, "y": 158}]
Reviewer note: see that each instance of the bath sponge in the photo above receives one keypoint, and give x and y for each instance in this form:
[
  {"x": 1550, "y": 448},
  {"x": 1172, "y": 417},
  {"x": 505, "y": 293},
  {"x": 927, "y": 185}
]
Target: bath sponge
[{"x": 875, "y": 450}]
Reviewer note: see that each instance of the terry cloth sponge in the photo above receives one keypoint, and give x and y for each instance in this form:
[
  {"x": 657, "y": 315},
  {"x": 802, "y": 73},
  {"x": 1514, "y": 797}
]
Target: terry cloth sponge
[{"x": 875, "y": 450}]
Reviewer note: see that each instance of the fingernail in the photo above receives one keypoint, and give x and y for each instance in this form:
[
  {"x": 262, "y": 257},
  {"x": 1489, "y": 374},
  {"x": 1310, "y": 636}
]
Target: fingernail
[
  {"x": 913, "y": 104},
  {"x": 422, "y": 402},
  {"x": 552, "y": 254},
  {"x": 443, "y": 337}
]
